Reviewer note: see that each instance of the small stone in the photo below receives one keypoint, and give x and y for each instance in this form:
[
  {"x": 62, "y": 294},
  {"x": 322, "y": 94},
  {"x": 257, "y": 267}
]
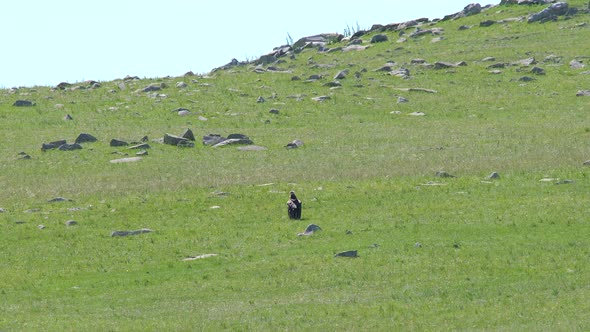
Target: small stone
[
  {"x": 116, "y": 142},
  {"x": 142, "y": 153},
  {"x": 127, "y": 233},
  {"x": 126, "y": 160},
  {"x": 23, "y": 103},
  {"x": 71, "y": 223},
  {"x": 41, "y": 226},
  {"x": 59, "y": 199},
  {"x": 349, "y": 253},
  {"x": 494, "y": 175},
  {"x": 273, "y": 111},
  {"x": 402, "y": 100},
  {"x": 68, "y": 117},
  {"x": 321, "y": 98},
  {"x": 69, "y": 147},
  {"x": 310, "y": 229},
  {"x": 418, "y": 245},
  {"x": 260, "y": 100},
  {"x": 443, "y": 174},
  {"x": 85, "y": 138}
]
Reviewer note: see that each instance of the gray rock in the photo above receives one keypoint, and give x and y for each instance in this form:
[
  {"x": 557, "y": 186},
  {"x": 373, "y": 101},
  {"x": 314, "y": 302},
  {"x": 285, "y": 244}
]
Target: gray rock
[
  {"x": 401, "y": 99},
  {"x": 332, "y": 84},
  {"x": 349, "y": 253},
  {"x": 139, "y": 146},
  {"x": 71, "y": 223},
  {"x": 52, "y": 145},
  {"x": 575, "y": 64},
  {"x": 379, "y": 38},
  {"x": 310, "y": 229},
  {"x": 494, "y": 175},
  {"x": 188, "y": 134},
  {"x": 295, "y": 144},
  {"x": 153, "y": 87},
  {"x": 173, "y": 140},
  {"x": 23, "y": 103},
  {"x": 69, "y": 147},
  {"x": 486, "y": 23},
  {"x": 142, "y": 153},
  {"x": 538, "y": 71},
  {"x": 233, "y": 141},
  {"x": 85, "y": 138},
  {"x": 126, "y": 160},
  {"x": 583, "y": 93},
  {"x": 212, "y": 139},
  {"x": 260, "y": 100},
  {"x": 116, "y": 142},
  {"x": 401, "y": 72},
  {"x": 526, "y": 79},
  {"x": 321, "y": 98},
  {"x": 127, "y": 233},
  {"x": 68, "y": 117},
  {"x": 556, "y": 9},
  {"x": 58, "y": 199},
  {"x": 273, "y": 111},
  {"x": 443, "y": 174},
  {"x": 181, "y": 85},
  {"x": 186, "y": 144},
  {"x": 341, "y": 74}
]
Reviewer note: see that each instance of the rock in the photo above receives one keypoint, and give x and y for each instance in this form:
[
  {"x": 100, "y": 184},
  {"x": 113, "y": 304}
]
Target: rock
[
  {"x": 486, "y": 23},
  {"x": 63, "y": 86},
  {"x": 41, "y": 226},
  {"x": 125, "y": 160},
  {"x": 23, "y": 103},
  {"x": 58, "y": 199},
  {"x": 444, "y": 65},
  {"x": 417, "y": 114},
  {"x": 212, "y": 139},
  {"x": 332, "y": 84},
  {"x": 127, "y": 233},
  {"x": 341, "y": 74},
  {"x": 349, "y": 253},
  {"x": 525, "y": 62},
  {"x": 68, "y": 117},
  {"x": 401, "y": 72},
  {"x": 443, "y": 174},
  {"x": 551, "y": 12},
  {"x": 192, "y": 258},
  {"x": 538, "y": 71},
  {"x": 69, "y": 147},
  {"x": 52, "y": 145},
  {"x": 153, "y": 87},
  {"x": 139, "y": 146},
  {"x": 310, "y": 229},
  {"x": 116, "y": 142},
  {"x": 583, "y": 93},
  {"x": 172, "y": 139},
  {"x": 402, "y": 100},
  {"x": 526, "y": 79},
  {"x": 575, "y": 64},
  {"x": 379, "y": 38},
  {"x": 85, "y": 138},
  {"x": 321, "y": 98},
  {"x": 295, "y": 144},
  {"x": 186, "y": 144},
  {"x": 233, "y": 141},
  {"x": 181, "y": 85},
  {"x": 142, "y": 153},
  {"x": 587, "y": 163},
  {"x": 273, "y": 111},
  {"x": 260, "y": 100},
  {"x": 493, "y": 175},
  {"x": 188, "y": 134},
  {"x": 71, "y": 223}
]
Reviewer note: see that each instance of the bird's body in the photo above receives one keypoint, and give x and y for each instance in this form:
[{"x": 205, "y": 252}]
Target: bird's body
[{"x": 294, "y": 206}]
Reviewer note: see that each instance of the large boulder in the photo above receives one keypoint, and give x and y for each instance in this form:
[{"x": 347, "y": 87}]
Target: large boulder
[{"x": 556, "y": 9}]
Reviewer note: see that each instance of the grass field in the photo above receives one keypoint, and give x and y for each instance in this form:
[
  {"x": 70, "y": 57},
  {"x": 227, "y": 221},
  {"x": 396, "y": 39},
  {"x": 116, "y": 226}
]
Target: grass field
[{"x": 456, "y": 253}]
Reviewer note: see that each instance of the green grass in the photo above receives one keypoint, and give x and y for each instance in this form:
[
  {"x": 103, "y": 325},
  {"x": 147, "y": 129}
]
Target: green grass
[{"x": 505, "y": 254}]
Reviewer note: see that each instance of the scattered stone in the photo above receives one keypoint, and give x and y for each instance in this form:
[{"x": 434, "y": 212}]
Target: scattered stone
[
  {"x": 188, "y": 134},
  {"x": 309, "y": 230},
  {"x": 23, "y": 155},
  {"x": 488, "y": 59},
  {"x": 538, "y": 71},
  {"x": 494, "y": 175},
  {"x": 127, "y": 233},
  {"x": 525, "y": 62},
  {"x": 401, "y": 99},
  {"x": 69, "y": 147},
  {"x": 125, "y": 160},
  {"x": 234, "y": 141},
  {"x": 349, "y": 253},
  {"x": 192, "y": 258},
  {"x": 321, "y": 98},
  {"x": 23, "y": 103},
  {"x": 575, "y": 64},
  {"x": 260, "y": 99},
  {"x": 212, "y": 139},
  {"x": 153, "y": 87},
  {"x": 181, "y": 85},
  {"x": 401, "y": 72},
  {"x": 2, "y": 210},
  {"x": 85, "y": 138},
  {"x": 443, "y": 174},
  {"x": 341, "y": 74},
  {"x": 486, "y": 23},
  {"x": 139, "y": 146},
  {"x": 418, "y": 245},
  {"x": 68, "y": 117},
  {"x": 41, "y": 226},
  {"x": 583, "y": 93},
  {"x": 550, "y": 13},
  {"x": 71, "y": 223},
  {"x": 58, "y": 199},
  {"x": 417, "y": 114},
  {"x": 173, "y": 140},
  {"x": 379, "y": 38},
  {"x": 526, "y": 79},
  {"x": 142, "y": 153},
  {"x": 564, "y": 181},
  {"x": 116, "y": 142},
  {"x": 294, "y": 144}
]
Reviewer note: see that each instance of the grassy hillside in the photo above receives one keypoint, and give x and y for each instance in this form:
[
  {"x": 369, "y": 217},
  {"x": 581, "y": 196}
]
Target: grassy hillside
[{"x": 435, "y": 253}]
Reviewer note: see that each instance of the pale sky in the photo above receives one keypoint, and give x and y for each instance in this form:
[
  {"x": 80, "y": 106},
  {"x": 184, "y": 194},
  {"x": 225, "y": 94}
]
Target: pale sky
[{"x": 48, "y": 42}]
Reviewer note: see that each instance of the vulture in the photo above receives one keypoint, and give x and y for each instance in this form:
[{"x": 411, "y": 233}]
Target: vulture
[{"x": 294, "y": 206}]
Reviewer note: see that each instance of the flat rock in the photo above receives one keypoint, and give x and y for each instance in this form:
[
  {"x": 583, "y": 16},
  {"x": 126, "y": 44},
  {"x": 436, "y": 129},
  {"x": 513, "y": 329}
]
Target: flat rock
[
  {"x": 128, "y": 233},
  {"x": 69, "y": 147},
  {"x": 126, "y": 160},
  {"x": 23, "y": 103},
  {"x": 349, "y": 253},
  {"x": 192, "y": 258},
  {"x": 310, "y": 229}
]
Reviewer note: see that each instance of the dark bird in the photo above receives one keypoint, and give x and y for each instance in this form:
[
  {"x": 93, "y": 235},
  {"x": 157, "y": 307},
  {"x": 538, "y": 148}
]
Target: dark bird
[{"x": 294, "y": 206}]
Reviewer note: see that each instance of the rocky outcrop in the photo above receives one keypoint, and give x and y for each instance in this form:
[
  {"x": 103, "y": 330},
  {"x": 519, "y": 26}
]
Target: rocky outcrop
[{"x": 550, "y": 13}]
